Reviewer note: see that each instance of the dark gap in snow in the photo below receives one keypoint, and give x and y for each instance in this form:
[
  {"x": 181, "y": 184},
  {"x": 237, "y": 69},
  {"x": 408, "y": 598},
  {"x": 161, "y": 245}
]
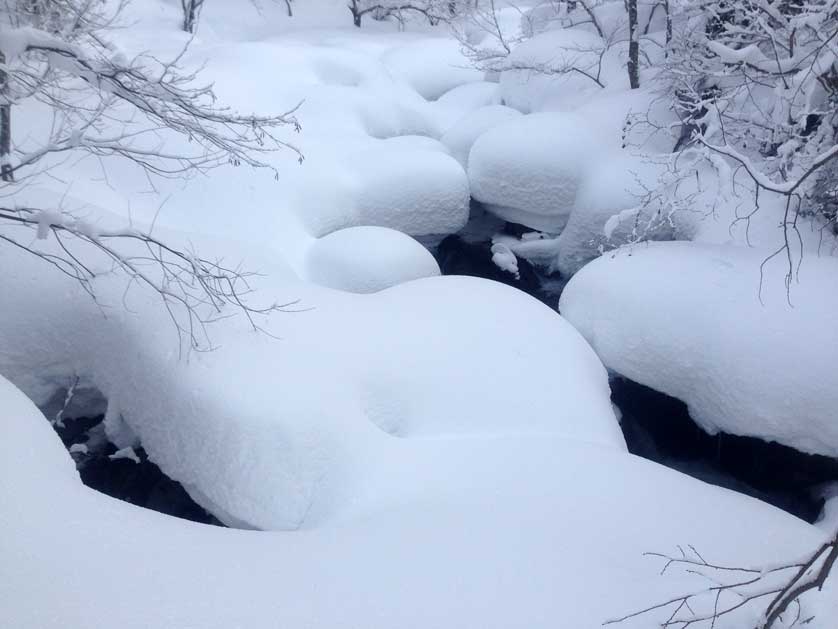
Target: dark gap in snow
[
  {"x": 470, "y": 253},
  {"x": 659, "y": 428},
  {"x": 141, "y": 483}
]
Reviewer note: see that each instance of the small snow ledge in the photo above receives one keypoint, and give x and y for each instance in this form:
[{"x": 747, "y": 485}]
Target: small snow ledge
[{"x": 686, "y": 320}]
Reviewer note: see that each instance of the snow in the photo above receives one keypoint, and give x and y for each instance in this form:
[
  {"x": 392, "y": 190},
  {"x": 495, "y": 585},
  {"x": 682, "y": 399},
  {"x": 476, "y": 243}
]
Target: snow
[
  {"x": 452, "y": 69},
  {"x": 524, "y": 87},
  {"x": 489, "y": 534},
  {"x": 612, "y": 209},
  {"x": 417, "y": 451},
  {"x": 456, "y": 103},
  {"x": 417, "y": 192},
  {"x": 461, "y": 136},
  {"x": 125, "y": 453},
  {"x": 276, "y": 442},
  {"x": 368, "y": 259},
  {"x": 505, "y": 259},
  {"x": 690, "y": 320},
  {"x": 528, "y": 170}
]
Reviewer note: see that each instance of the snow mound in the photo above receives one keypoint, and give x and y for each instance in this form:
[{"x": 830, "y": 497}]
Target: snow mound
[
  {"x": 415, "y": 192},
  {"x": 612, "y": 210},
  {"x": 686, "y": 319},
  {"x": 460, "y": 138},
  {"x": 278, "y": 441},
  {"x": 455, "y": 104},
  {"x": 431, "y": 66},
  {"x": 528, "y": 170},
  {"x": 556, "y": 70},
  {"x": 368, "y": 259},
  {"x": 452, "y": 510}
]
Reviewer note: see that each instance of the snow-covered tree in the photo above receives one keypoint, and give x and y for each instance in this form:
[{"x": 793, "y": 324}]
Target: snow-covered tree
[
  {"x": 434, "y": 11},
  {"x": 755, "y": 83},
  {"x": 56, "y": 58}
]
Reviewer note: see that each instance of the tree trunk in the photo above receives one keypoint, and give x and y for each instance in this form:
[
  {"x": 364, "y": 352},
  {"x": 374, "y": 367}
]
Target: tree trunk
[
  {"x": 356, "y": 13},
  {"x": 634, "y": 46},
  {"x": 190, "y": 14},
  {"x": 6, "y": 173}
]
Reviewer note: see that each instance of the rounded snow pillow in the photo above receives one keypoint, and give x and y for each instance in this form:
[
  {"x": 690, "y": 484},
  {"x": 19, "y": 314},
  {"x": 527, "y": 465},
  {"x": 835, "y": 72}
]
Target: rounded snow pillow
[
  {"x": 367, "y": 259},
  {"x": 529, "y": 169}
]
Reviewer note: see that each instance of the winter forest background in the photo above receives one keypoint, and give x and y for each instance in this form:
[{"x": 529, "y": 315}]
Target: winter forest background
[{"x": 418, "y": 314}]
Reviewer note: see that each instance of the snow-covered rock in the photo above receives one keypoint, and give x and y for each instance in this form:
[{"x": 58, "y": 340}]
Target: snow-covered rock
[
  {"x": 271, "y": 430},
  {"x": 368, "y": 259},
  {"x": 431, "y": 66},
  {"x": 557, "y": 70},
  {"x": 456, "y": 103},
  {"x": 462, "y": 135},
  {"x": 487, "y": 533},
  {"x": 699, "y": 323},
  {"x": 528, "y": 170},
  {"x": 417, "y": 192}
]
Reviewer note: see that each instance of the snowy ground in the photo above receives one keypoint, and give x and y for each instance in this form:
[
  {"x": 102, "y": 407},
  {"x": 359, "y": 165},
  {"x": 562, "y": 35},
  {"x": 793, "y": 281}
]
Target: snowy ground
[{"x": 418, "y": 451}]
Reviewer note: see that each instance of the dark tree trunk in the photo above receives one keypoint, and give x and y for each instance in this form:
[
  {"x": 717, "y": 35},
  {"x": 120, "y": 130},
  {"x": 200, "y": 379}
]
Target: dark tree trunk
[
  {"x": 191, "y": 8},
  {"x": 355, "y": 10},
  {"x": 6, "y": 173},
  {"x": 634, "y": 45}
]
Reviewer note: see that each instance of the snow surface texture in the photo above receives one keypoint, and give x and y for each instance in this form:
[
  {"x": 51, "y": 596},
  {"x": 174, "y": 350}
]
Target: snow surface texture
[
  {"x": 368, "y": 259},
  {"x": 278, "y": 441},
  {"x": 452, "y": 68},
  {"x": 483, "y": 534},
  {"x": 611, "y": 210},
  {"x": 462, "y": 135},
  {"x": 417, "y": 192},
  {"x": 686, "y": 319},
  {"x": 528, "y": 170}
]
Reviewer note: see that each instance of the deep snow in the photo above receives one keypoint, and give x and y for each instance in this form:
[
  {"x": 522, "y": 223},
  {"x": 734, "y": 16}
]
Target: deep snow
[{"x": 439, "y": 451}]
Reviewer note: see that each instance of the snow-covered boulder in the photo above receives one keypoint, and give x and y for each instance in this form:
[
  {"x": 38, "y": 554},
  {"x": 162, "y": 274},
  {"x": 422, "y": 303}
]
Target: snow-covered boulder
[
  {"x": 462, "y": 135},
  {"x": 417, "y": 192},
  {"x": 367, "y": 259},
  {"x": 454, "y": 104},
  {"x": 528, "y": 170},
  {"x": 271, "y": 430},
  {"x": 699, "y": 323},
  {"x": 497, "y": 532},
  {"x": 558, "y": 70},
  {"x": 431, "y": 66}
]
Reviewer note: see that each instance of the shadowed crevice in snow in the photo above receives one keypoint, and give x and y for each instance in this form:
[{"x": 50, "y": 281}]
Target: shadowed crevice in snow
[
  {"x": 659, "y": 428},
  {"x": 137, "y": 481},
  {"x": 463, "y": 254}
]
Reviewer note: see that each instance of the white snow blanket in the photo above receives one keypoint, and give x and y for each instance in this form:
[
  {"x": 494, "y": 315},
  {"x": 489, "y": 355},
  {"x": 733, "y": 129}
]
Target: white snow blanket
[
  {"x": 368, "y": 259},
  {"x": 490, "y": 533},
  {"x": 699, "y": 323},
  {"x": 528, "y": 170}
]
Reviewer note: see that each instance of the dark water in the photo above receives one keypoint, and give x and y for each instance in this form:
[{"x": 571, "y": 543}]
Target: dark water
[{"x": 142, "y": 484}]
